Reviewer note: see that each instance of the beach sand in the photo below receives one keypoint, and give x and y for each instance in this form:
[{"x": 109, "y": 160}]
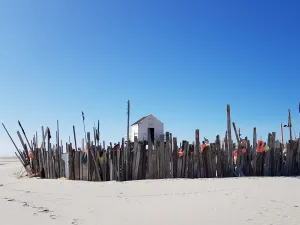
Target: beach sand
[{"x": 178, "y": 202}]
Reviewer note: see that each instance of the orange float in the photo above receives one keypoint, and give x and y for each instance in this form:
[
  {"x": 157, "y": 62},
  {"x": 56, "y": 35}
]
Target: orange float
[
  {"x": 31, "y": 155},
  {"x": 180, "y": 152}
]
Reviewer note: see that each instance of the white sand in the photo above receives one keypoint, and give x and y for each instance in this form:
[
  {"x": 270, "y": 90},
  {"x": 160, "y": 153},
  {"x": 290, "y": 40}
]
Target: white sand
[{"x": 184, "y": 202}]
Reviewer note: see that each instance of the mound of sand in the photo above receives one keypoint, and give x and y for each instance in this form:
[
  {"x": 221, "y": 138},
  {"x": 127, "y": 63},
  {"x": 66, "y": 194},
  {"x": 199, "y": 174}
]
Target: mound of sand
[{"x": 202, "y": 201}]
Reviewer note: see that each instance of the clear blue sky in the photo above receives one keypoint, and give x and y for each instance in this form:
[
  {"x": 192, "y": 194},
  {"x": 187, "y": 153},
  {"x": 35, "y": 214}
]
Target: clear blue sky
[{"x": 181, "y": 61}]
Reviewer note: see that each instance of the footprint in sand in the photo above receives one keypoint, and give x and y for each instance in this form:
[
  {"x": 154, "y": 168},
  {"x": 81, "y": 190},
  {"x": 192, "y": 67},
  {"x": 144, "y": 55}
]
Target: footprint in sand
[
  {"x": 44, "y": 211},
  {"x": 53, "y": 217},
  {"x": 76, "y": 221},
  {"x": 25, "y": 204}
]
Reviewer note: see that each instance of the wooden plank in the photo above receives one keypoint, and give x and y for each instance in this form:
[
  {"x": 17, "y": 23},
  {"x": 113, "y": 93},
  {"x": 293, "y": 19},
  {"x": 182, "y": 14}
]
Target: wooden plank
[
  {"x": 118, "y": 162},
  {"x": 95, "y": 162},
  {"x": 202, "y": 164},
  {"x": 158, "y": 158},
  {"x": 23, "y": 144},
  {"x": 126, "y": 160},
  {"x": 149, "y": 174},
  {"x": 49, "y": 168},
  {"x": 89, "y": 155},
  {"x": 62, "y": 168},
  {"x": 137, "y": 162},
  {"x": 290, "y": 158},
  {"x": 50, "y": 162},
  {"x": 238, "y": 160},
  {"x": 104, "y": 166},
  {"x": 290, "y": 124},
  {"x": 56, "y": 163},
  {"x": 210, "y": 167},
  {"x": 162, "y": 160},
  {"x": 45, "y": 154},
  {"x": 71, "y": 162},
  {"x": 191, "y": 162},
  {"x": 180, "y": 162},
  {"x": 266, "y": 171},
  {"x": 58, "y": 154},
  {"x": 80, "y": 165},
  {"x": 196, "y": 172},
  {"x": 185, "y": 160},
  {"x": 40, "y": 160},
  {"x": 219, "y": 157},
  {"x": 154, "y": 161},
  {"x": 53, "y": 162},
  {"x": 175, "y": 157},
  {"x": 171, "y": 156},
  {"x": 272, "y": 154},
  {"x": 135, "y": 165},
  {"x": 298, "y": 157},
  {"x": 229, "y": 141},
  {"x": 248, "y": 155},
  {"x": 77, "y": 165},
  {"x": 111, "y": 165},
  {"x": 122, "y": 160},
  {"x": 254, "y": 163},
  {"x": 167, "y": 156}
]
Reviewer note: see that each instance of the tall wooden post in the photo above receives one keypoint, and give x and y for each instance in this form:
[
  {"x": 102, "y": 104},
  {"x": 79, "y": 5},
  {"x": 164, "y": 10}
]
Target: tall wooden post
[
  {"x": 229, "y": 141},
  {"x": 196, "y": 154},
  {"x": 254, "y": 151},
  {"x": 290, "y": 125},
  {"x": 281, "y": 133},
  {"x": 127, "y": 145},
  {"x": 238, "y": 159}
]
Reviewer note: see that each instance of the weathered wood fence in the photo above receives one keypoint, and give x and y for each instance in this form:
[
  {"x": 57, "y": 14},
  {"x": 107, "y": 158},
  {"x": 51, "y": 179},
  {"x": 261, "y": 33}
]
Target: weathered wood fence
[{"x": 159, "y": 159}]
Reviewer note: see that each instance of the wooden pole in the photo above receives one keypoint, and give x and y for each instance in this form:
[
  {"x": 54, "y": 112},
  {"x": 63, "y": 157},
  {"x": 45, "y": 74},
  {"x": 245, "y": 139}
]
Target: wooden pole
[
  {"x": 229, "y": 140},
  {"x": 238, "y": 160},
  {"x": 281, "y": 133},
  {"x": 127, "y": 145},
  {"x": 254, "y": 151},
  {"x": 57, "y": 142},
  {"x": 290, "y": 124},
  {"x": 74, "y": 133}
]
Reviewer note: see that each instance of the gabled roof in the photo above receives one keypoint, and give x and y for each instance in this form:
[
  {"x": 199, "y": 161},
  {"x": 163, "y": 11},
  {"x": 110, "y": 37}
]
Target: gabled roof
[{"x": 138, "y": 121}]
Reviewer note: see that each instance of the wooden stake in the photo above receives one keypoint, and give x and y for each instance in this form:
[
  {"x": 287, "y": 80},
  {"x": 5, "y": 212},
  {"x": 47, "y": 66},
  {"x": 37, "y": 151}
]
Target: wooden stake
[
  {"x": 229, "y": 140},
  {"x": 281, "y": 133},
  {"x": 74, "y": 133},
  {"x": 290, "y": 124}
]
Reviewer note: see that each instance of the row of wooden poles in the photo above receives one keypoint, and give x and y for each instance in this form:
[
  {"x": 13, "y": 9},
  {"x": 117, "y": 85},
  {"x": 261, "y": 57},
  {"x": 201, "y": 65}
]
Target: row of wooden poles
[{"x": 158, "y": 159}]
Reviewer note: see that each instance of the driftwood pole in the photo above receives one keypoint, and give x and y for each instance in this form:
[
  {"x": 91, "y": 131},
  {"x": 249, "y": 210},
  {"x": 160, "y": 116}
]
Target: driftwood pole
[
  {"x": 229, "y": 141},
  {"x": 238, "y": 160},
  {"x": 281, "y": 133},
  {"x": 25, "y": 136},
  {"x": 57, "y": 136},
  {"x": 290, "y": 124},
  {"x": 127, "y": 152},
  {"x": 254, "y": 151},
  {"x": 74, "y": 133},
  {"x": 20, "y": 156}
]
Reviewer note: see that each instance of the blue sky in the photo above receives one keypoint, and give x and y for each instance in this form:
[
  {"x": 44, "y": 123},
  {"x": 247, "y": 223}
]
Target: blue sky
[{"x": 181, "y": 61}]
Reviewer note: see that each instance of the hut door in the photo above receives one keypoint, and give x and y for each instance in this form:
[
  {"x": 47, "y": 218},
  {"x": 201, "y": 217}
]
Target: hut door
[{"x": 152, "y": 134}]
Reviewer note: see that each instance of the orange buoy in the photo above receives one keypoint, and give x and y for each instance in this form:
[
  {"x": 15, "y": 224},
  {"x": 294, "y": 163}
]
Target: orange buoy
[
  {"x": 180, "y": 152},
  {"x": 31, "y": 155},
  {"x": 260, "y": 146}
]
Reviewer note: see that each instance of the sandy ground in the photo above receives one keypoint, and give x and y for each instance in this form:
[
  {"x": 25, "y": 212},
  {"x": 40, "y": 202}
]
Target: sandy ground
[{"x": 186, "y": 202}]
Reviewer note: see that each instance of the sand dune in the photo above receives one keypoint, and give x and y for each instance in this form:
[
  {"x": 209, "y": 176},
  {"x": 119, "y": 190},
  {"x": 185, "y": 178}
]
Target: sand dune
[{"x": 206, "y": 201}]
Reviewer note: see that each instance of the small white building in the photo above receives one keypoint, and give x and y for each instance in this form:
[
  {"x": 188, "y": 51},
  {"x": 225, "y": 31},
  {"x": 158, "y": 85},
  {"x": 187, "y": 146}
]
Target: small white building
[{"x": 140, "y": 128}]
